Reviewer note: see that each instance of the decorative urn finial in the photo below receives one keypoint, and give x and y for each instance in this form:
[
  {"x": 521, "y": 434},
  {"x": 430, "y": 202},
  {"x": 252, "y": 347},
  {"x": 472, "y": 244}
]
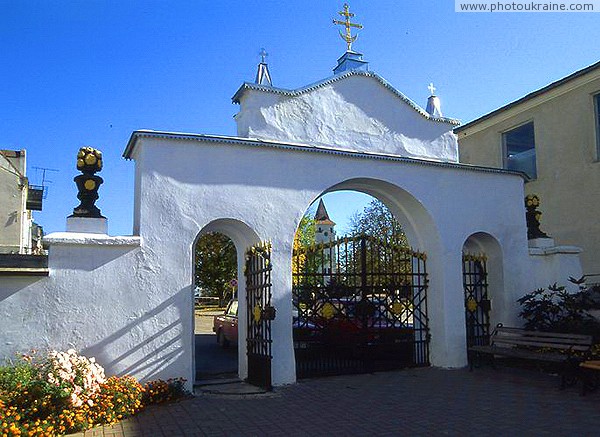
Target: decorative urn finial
[
  {"x": 89, "y": 161},
  {"x": 532, "y": 201}
]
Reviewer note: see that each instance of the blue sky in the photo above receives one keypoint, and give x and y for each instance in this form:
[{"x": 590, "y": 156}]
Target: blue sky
[{"x": 90, "y": 72}]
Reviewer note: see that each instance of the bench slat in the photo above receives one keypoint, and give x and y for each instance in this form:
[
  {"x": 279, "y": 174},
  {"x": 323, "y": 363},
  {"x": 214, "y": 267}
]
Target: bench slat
[
  {"x": 523, "y": 332},
  {"x": 540, "y": 344},
  {"x": 520, "y": 353},
  {"x": 594, "y": 365}
]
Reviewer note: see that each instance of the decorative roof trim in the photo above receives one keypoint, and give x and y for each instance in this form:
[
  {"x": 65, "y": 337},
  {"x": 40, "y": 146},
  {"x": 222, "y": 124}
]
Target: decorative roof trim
[
  {"x": 328, "y": 81},
  {"x": 530, "y": 96},
  {"x": 253, "y": 142}
]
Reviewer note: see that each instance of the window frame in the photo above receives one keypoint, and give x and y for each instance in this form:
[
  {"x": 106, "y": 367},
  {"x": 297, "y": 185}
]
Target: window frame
[
  {"x": 505, "y": 147},
  {"x": 596, "y": 104}
]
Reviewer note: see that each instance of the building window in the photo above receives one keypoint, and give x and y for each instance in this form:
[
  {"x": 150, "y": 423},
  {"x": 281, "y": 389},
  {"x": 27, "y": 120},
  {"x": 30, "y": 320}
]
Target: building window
[
  {"x": 519, "y": 150},
  {"x": 597, "y": 118}
]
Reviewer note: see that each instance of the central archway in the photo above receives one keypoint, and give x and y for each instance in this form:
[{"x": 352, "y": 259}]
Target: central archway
[{"x": 360, "y": 302}]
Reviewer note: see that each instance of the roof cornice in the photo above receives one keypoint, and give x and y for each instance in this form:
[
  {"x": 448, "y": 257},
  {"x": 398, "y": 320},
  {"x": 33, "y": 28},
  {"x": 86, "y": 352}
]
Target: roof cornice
[
  {"x": 328, "y": 81},
  {"x": 298, "y": 147},
  {"x": 534, "y": 98}
]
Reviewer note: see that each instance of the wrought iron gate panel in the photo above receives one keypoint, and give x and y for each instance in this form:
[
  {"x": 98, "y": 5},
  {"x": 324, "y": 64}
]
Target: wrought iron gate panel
[
  {"x": 259, "y": 314},
  {"x": 477, "y": 303},
  {"x": 360, "y": 304}
]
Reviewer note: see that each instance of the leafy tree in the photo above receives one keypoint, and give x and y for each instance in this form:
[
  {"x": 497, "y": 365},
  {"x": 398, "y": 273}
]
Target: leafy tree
[
  {"x": 376, "y": 220},
  {"x": 215, "y": 263},
  {"x": 304, "y": 238},
  {"x": 305, "y": 235}
]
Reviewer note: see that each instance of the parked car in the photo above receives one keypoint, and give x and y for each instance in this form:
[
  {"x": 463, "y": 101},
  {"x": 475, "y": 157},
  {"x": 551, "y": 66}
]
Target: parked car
[{"x": 226, "y": 325}]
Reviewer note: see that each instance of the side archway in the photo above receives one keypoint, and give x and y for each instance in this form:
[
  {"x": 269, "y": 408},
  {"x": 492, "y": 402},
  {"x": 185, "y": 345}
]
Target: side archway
[
  {"x": 483, "y": 283},
  {"x": 243, "y": 237}
]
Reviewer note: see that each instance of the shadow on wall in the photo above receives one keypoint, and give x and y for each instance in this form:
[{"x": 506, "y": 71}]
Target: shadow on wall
[
  {"x": 99, "y": 257},
  {"x": 15, "y": 285},
  {"x": 151, "y": 344}
]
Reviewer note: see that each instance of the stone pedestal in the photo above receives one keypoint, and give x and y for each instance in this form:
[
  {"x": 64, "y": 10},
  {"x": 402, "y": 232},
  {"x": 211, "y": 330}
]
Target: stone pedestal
[
  {"x": 540, "y": 242},
  {"x": 554, "y": 264},
  {"x": 87, "y": 225}
]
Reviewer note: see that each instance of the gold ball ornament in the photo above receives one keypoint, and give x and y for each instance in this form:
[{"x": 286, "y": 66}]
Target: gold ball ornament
[
  {"x": 80, "y": 163},
  {"x": 89, "y": 185},
  {"x": 99, "y": 165},
  {"x": 90, "y": 159},
  {"x": 81, "y": 153}
]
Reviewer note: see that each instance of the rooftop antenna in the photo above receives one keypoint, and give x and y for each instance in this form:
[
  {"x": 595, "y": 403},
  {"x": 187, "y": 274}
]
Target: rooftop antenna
[{"x": 45, "y": 182}]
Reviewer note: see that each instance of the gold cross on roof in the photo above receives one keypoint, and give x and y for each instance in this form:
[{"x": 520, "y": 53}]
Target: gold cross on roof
[{"x": 347, "y": 36}]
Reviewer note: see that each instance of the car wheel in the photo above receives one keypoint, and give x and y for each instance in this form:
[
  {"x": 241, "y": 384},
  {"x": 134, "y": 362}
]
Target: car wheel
[{"x": 223, "y": 342}]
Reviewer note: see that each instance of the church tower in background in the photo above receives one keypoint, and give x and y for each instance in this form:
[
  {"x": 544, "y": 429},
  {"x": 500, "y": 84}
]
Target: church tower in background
[{"x": 324, "y": 226}]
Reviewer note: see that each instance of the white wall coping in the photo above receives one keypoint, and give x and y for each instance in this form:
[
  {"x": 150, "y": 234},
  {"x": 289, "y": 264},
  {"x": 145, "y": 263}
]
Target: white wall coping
[
  {"x": 554, "y": 250},
  {"x": 291, "y": 146},
  {"x": 82, "y": 239}
]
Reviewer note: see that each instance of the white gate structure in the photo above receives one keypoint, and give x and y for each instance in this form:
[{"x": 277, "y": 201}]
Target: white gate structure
[{"x": 129, "y": 300}]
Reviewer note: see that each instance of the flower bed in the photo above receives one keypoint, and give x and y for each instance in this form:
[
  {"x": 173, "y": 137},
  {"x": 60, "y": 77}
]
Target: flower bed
[{"x": 64, "y": 392}]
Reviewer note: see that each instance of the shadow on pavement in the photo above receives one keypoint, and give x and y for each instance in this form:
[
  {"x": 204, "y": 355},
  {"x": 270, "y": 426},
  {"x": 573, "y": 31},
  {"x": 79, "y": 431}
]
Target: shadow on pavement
[{"x": 214, "y": 361}]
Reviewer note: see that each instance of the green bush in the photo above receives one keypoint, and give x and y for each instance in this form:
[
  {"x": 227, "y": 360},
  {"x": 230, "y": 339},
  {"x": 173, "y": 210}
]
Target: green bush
[{"x": 556, "y": 310}]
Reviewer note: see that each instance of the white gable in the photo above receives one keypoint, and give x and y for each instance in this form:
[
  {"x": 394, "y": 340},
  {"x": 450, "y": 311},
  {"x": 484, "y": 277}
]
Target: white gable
[{"x": 355, "y": 111}]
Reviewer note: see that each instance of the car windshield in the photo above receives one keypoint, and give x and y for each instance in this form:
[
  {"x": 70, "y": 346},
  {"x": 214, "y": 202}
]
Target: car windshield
[{"x": 232, "y": 309}]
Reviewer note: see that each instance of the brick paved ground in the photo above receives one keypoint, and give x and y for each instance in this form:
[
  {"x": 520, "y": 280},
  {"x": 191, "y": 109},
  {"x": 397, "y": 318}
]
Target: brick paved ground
[{"x": 416, "y": 402}]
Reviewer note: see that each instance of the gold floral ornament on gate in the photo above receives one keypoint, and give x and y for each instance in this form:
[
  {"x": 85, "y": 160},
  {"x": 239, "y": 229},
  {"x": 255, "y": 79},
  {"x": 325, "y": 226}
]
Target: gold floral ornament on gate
[
  {"x": 471, "y": 305},
  {"x": 397, "y": 308},
  {"x": 328, "y": 311},
  {"x": 257, "y": 313}
]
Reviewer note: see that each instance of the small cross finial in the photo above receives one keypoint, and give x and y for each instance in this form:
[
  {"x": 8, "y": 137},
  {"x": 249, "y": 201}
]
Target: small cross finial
[
  {"x": 347, "y": 36},
  {"x": 263, "y": 56},
  {"x": 431, "y": 89}
]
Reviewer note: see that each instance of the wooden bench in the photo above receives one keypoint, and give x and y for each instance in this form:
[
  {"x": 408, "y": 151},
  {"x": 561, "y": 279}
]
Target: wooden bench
[
  {"x": 565, "y": 350},
  {"x": 589, "y": 375}
]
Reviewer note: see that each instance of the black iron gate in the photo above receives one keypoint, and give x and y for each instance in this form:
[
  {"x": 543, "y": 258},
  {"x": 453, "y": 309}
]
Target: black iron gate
[
  {"x": 477, "y": 303},
  {"x": 360, "y": 305},
  {"x": 259, "y": 314}
]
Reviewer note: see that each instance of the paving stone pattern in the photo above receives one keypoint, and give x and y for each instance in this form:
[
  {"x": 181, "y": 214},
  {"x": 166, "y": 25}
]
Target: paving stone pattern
[{"x": 415, "y": 402}]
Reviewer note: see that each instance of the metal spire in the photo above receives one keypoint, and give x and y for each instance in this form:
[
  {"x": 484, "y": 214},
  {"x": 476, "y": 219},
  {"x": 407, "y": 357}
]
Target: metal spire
[
  {"x": 434, "y": 106},
  {"x": 263, "y": 77}
]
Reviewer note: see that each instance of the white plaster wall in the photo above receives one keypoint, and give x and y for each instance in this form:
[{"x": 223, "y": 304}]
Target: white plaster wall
[
  {"x": 269, "y": 189},
  {"x": 355, "y": 113},
  {"x": 555, "y": 265},
  {"x": 106, "y": 297}
]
